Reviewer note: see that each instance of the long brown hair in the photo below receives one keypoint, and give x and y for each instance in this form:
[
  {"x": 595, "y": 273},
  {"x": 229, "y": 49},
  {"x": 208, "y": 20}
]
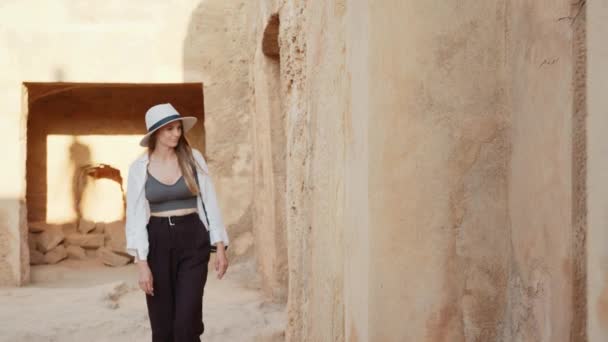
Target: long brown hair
[{"x": 185, "y": 159}]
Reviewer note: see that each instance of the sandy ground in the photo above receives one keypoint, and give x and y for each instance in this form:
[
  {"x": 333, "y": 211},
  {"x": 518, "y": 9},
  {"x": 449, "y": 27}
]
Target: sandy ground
[{"x": 86, "y": 301}]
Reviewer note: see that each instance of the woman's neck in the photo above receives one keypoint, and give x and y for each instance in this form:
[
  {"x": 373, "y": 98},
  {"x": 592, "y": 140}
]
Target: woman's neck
[{"x": 164, "y": 154}]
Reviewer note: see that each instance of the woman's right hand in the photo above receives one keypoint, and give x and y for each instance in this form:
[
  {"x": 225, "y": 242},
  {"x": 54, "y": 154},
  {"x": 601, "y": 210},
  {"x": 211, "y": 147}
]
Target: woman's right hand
[{"x": 145, "y": 277}]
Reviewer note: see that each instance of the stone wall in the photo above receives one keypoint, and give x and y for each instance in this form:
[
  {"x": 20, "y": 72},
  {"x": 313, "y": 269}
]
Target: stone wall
[
  {"x": 435, "y": 171},
  {"x": 597, "y": 169},
  {"x": 397, "y": 170},
  {"x": 217, "y": 49},
  {"x": 269, "y": 144},
  {"x": 542, "y": 198}
]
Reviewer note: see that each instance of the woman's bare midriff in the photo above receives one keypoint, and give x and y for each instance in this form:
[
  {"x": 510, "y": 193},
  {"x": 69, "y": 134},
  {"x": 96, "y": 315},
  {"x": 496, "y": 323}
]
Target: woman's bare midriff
[{"x": 176, "y": 212}]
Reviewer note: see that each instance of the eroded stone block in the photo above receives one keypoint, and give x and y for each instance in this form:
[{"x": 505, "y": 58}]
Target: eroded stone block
[
  {"x": 115, "y": 236},
  {"x": 99, "y": 228},
  {"x": 50, "y": 238},
  {"x": 76, "y": 252},
  {"x": 32, "y": 240},
  {"x": 85, "y": 226},
  {"x": 112, "y": 259},
  {"x": 85, "y": 240},
  {"x": 36, "y": 257},
  {"x": 55, "y": 255}
]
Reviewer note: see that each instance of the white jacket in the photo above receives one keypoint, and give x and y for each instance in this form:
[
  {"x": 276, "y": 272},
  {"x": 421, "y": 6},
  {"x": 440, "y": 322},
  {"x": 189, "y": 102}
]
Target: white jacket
[{"x": 138, "y": 207}]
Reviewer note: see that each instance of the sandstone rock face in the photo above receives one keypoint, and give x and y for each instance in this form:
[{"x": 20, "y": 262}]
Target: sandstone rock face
[
  {"x": 99, "y": 228},
  {"x": 37, "y": 227},
  {"x": 76, "y": 252},
  {"x": 591, "y": 75},
  {"x": 270, "y": 146},
  {"x": 414, "y": 166},
  {"x": 112, "y": 259},
  {"x": 243, "y": 243},
  {"x": 32, "y": 241},
  {"x": 55, "y": 255},
  {"x": 69, "y": 228},
  {"x": 85, "y": 226},
  {"x": 219, "y": 47},
  {"x": 86, "y": 240},
  {"x": 90, "y": 253},
  {"x": 546, "y": 209},
  {"x": 50, "y": 238},
  {"x": 36, "y": 258},
  {"x": 115, "y": 236}
]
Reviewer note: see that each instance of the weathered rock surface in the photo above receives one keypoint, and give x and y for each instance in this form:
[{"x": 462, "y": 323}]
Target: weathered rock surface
[
  {"x": 99, "y": 228},
  {"x": 36, "y": 257},
  {"x": 69, "y": 228},
  {"x": 50, "y": 238},
  {"x": 115, "y": 236},
  {"x": 86, "y": 240},
  {"x": 85, "y": 226},
  {"x": 37, "y": 227},
  {"x": 56, "y": 255},
  {"x": 112, "y": 259},
  {"x": 32, "y": 241},
  {"x": 90, "y": 253},
  {"x": 76, "y": 252}
]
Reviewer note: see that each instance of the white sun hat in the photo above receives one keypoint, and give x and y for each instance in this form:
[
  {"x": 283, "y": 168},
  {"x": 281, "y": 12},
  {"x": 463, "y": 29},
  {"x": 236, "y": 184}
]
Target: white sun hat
[{"x": 162, "y": 114}]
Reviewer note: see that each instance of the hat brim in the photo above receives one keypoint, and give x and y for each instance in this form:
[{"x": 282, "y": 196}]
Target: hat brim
[{"x": 187, "y": 123}]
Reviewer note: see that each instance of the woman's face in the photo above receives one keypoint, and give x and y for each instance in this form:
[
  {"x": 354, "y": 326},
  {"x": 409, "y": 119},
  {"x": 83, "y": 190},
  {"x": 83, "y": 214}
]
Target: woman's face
[{"x": 169, "y": 134}]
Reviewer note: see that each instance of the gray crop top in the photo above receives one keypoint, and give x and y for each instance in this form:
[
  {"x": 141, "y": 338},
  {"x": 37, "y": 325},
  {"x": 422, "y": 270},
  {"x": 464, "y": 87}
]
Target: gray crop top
[{"x": 164, "y": 197}]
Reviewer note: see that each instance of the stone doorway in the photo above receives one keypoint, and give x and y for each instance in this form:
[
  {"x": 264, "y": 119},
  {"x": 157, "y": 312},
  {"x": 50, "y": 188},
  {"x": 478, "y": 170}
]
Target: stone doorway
[{"x": 81, "y": 138}]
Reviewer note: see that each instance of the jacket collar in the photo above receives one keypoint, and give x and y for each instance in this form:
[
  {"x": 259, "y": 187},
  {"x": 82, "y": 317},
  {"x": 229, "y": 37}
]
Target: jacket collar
[{"x": 143, "y": 158}]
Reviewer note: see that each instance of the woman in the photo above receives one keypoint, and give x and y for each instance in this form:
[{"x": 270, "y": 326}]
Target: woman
[{"x": 171, "y": 226}]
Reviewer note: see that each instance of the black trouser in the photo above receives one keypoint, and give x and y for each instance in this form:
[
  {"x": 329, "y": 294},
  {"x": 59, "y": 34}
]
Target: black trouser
[{"x": 178, "y": 257}]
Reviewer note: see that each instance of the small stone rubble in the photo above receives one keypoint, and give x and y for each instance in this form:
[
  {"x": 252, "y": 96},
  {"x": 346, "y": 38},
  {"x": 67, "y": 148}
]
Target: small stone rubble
[{"x": 51, "y": 243}]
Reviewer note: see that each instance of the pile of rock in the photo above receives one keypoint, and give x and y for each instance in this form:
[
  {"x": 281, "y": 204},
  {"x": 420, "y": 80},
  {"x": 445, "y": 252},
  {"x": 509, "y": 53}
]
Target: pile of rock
[{"x": 51, "y": 243}]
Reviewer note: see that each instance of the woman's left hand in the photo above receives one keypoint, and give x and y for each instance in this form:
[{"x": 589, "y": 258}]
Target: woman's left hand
[{"x": 221, "y": 262}]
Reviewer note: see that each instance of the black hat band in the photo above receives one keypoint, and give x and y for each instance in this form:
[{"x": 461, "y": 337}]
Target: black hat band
[{"x": 164, "y": 121}]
